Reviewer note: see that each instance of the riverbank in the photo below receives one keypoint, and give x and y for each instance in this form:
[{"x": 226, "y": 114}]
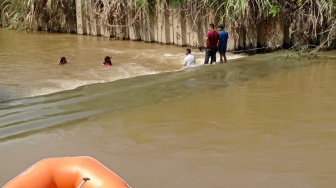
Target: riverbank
[{"x": 262, "y": 27}]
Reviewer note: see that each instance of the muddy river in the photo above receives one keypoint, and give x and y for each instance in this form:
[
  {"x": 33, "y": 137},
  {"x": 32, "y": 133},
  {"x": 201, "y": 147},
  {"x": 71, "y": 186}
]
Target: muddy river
[{"x": 257, "y": 121}]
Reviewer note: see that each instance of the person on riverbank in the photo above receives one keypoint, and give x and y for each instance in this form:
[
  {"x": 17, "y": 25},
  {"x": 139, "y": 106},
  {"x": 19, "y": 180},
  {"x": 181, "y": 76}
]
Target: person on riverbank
[
  {"x": 222, "y": 43},
  {"x": 189, "y": 59},
  {"x": 211, "y": 44},
  {"x": 107, "y": 61},
  {"x": 62, "y": 61}
]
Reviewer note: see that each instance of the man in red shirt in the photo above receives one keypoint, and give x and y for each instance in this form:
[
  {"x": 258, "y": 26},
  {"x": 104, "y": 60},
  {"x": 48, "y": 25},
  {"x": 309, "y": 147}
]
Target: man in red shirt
[{"x": 212, "y": 43}]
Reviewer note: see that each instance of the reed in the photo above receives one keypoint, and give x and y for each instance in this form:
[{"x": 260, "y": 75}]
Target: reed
[
  {"x": 310, "y": 22},
  {"x": 18, "y": 13},
  {"x": 48, "y": 15}
]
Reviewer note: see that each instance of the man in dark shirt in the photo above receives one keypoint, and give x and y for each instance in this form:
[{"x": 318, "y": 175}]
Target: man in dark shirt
[{"x": 212, "y": 43}]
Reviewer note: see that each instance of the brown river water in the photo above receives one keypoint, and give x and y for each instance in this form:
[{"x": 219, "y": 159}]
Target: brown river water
[{"x": 261, "y": 121}]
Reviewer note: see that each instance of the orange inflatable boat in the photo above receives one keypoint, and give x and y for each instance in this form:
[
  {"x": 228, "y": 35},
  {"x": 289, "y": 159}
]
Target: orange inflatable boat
[{"x": 68, "y": 172}]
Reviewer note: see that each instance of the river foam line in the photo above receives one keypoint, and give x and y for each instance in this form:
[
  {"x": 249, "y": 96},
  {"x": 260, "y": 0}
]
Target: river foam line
[
  {"x": 61, "y": 85},
  {"x": 101, "y": 74}
]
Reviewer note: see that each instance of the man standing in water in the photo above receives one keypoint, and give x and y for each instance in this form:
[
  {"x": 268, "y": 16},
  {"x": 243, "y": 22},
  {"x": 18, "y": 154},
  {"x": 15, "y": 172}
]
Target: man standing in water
[
  {"x": 211, "y": 43},
  {"x": 189, "y": 59},
  {"x": 222, "y": 43}
]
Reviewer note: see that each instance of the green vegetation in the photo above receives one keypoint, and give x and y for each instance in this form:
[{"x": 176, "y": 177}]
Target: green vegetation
[
  {"x": 17, "y": 14},
  {"x": 50, "y": 15},
  {"x": 309, "y": 23}
]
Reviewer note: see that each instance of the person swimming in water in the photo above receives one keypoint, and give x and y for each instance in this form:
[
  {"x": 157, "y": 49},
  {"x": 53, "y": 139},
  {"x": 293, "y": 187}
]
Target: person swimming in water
[
  {"x": 107, "y": 61},
  {"x": 62, "y": 61}
]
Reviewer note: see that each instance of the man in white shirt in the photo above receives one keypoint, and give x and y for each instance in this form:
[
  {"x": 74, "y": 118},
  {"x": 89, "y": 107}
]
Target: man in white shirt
[{"x": 189, "y": 59}]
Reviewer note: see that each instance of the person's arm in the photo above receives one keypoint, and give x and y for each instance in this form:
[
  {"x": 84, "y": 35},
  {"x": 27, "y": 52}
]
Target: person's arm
[
  {"x": 206, "y": 40},
  {"x": 185, "y": 61}
]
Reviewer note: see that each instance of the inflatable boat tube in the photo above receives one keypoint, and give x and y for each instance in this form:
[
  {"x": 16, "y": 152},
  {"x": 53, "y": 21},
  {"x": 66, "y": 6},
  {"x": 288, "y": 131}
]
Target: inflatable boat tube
[{"x": 68, "y": 172}]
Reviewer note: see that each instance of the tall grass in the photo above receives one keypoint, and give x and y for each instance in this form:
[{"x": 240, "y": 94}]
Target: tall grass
[
  {"x": 19, "y": 13},
  {"x": 37, "y": 14},
  {"x": 311, "y": 22}
]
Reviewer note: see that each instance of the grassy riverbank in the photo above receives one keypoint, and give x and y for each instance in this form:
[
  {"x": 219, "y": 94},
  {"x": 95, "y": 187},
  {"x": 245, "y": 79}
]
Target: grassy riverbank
[{"x": 295, "y": 24}]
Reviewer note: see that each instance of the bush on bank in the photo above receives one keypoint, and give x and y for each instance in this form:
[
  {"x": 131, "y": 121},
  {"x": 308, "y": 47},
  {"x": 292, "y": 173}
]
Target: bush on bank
[{"x": 311, "y": 22}]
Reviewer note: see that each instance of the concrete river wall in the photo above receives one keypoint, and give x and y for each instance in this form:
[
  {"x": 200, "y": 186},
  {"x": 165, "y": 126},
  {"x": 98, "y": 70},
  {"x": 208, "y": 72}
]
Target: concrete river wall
[
  {"x": 155, "y": 21},
  {"x": 169, "y": 25}
]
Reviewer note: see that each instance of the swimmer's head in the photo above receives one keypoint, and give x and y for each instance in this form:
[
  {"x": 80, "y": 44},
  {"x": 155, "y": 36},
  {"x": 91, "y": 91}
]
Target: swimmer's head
[
  {"x": 107, "y": 58},
  {"x": 188, "y": 51},
  {"x": 202, "y": 48},
  {"x": 63, "y": 60}
]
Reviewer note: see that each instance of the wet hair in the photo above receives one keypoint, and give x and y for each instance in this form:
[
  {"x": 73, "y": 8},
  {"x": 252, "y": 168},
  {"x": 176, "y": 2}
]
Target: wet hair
[
  {"x": 63, "y": 60},
  {"x": 107, "y": 61},
  {"x": 188, "y": 50},
  {"x": 221, "y": 26},
  {"x": 212, "y": 26},
  {"x": 107, "y": 58},
  {"x": 202, "y": 48}
]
